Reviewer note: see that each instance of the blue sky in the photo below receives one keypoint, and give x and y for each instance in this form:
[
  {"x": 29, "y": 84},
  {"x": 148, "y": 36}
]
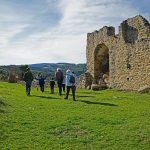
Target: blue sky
[{"x": 37, "y": 31}]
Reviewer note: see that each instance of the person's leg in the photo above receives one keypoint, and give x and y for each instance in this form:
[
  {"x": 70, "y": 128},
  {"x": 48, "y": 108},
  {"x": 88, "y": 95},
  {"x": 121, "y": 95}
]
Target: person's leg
[
  {"x": 63, "y": 85},
  {"x": 37, "y": 88},
  {"x": 28, "y": 87},
  {"x": 67, "y": 92},
  {"x": 73, "y": 92},
  {"x": 43, "y": 87},
  {"x": 53, "y": 90},
  {"x": 60, "y": 88}
]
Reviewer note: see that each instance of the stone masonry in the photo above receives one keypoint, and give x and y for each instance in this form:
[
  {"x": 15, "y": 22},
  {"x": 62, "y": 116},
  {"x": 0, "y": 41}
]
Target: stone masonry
[{"x": 124, "y": 57}]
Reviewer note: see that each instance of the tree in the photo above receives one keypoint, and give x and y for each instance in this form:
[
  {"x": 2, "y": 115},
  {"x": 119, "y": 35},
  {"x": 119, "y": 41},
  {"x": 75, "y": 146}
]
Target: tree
[{"x": 23, "y": 69}]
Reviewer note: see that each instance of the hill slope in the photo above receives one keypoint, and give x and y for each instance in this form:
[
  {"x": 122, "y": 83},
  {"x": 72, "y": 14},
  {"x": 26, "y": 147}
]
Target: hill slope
[{"x": 45, "y": 68}]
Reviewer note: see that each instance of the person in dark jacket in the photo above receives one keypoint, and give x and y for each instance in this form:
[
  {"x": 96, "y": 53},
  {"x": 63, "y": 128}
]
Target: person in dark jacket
[
  {"x": 28, "y": 78},
  {"x": 59, "y": 78},
  {"x": 41, "y": 82},
  {"x": 52, "y": 84}
]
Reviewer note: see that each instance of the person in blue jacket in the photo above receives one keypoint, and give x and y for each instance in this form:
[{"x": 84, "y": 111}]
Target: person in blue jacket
[
  {"x": 41, "y": 82},
  {"x": 71, "y": 83}
]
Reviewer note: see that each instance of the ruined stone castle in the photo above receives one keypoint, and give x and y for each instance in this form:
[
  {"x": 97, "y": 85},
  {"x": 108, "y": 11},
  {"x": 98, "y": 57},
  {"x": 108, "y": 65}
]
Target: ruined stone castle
[{"x": 124, "y": 58}]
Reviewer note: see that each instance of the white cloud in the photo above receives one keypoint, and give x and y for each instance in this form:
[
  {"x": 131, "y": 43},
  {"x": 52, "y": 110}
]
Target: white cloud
[
  {"x": 64, "y": 42},
  {"x": 9, "y": 32}
]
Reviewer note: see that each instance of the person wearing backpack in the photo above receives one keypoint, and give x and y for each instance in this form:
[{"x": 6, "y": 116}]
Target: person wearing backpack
[{"x": 71, "y": 82}]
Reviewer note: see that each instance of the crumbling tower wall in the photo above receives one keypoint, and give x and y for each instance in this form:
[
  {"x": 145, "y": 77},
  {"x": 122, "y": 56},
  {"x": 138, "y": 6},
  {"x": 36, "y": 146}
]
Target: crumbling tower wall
[{"x": 124, "y": 57}]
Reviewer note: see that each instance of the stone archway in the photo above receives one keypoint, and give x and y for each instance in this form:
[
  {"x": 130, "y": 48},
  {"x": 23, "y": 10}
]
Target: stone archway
[{"x": 101, "y": 62}]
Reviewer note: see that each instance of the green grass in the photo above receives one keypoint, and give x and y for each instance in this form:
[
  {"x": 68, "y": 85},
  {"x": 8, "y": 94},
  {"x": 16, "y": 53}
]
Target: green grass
[{"x": 107, "y": 120}]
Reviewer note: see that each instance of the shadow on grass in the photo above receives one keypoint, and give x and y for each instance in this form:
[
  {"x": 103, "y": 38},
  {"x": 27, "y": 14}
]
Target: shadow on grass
[
  {"x": 87, "y": 92},
  {"x": 84, "y": 96},
  {"x": 98, "y": 103},
  {"x": 45, "y": 97}
]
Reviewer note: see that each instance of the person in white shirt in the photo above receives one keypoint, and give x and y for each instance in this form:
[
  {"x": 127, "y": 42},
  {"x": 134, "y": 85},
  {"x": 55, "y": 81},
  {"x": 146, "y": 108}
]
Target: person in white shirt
[{"x": 71, "y": 82}]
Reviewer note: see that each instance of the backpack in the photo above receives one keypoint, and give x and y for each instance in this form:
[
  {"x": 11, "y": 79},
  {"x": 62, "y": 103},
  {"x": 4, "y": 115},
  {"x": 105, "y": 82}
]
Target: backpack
[{"x": 72, "y": 79}]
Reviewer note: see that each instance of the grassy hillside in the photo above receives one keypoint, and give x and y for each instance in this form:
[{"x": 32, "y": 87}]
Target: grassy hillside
[
  {"x": 107, "y": 120},
  {"x": 48, "y": 69}
]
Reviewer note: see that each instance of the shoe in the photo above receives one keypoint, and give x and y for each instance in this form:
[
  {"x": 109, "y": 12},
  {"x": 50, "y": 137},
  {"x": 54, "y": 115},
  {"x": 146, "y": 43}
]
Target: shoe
[{"x": 65, "y": 98}]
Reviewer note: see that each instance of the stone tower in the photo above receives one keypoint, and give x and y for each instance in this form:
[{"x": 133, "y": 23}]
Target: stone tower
[{"x": 125, "y": 57}]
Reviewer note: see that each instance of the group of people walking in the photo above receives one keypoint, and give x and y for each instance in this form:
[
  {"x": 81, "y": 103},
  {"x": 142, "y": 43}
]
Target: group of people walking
[{"x": 69, "y": 81}]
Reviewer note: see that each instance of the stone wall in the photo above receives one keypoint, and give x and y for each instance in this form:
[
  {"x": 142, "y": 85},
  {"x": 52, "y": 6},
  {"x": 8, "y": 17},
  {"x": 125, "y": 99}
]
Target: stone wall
[{"x": 124, "y": 57}]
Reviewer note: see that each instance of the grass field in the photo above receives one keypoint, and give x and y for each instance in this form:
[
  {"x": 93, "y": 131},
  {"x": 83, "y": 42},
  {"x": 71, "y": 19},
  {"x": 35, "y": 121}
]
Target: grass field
[{"x": 107, "y": 120}]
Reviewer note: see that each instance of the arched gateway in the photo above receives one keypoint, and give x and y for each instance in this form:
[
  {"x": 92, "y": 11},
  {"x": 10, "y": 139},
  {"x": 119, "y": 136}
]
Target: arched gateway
[{"x": 101, "y": 62}]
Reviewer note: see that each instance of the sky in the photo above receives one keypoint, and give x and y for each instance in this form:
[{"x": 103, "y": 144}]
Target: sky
[{"x": 54, "y": 31}]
